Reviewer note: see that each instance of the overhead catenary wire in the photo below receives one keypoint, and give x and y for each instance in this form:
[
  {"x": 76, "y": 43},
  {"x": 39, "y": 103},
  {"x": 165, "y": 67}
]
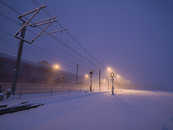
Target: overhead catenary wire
[
  {"x": 64, "y": 44},
  {"x": 71, "y": 36},
  {"x": 14, "y": 21},
  {"x": 18, "y": 24}
]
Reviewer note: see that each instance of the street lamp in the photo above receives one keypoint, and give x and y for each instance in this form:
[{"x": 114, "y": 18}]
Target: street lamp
[
  {"x": 56, "y": 67},
  {"x": 91, "y": 82},
  {"x": 86, "y": 76},
  {"x": 112, "y": 75},
  {"x": 109, "y": 69}
]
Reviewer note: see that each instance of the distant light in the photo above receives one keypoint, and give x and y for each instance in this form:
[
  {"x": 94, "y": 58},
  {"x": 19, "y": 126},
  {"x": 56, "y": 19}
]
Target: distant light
[
  {"x": 104, "y": 80},
  {"x": 56, "y": 67},
  {"x": 86, "y": 76},
  {"x": 109, "y": 69},
  {"x": 112, "y": 74},
  {"x": 118, "y": 76}
]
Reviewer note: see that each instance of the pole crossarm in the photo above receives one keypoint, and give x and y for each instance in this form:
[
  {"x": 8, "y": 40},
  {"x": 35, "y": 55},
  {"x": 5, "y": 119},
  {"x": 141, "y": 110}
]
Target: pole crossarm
[
  {"x": 27, "y": 23},
  {"x": 42, "y": 31},
  {"x": 46, "y": 21},
  {"x": 20, "y": 34},
  {"x": 32, "y": 11}
]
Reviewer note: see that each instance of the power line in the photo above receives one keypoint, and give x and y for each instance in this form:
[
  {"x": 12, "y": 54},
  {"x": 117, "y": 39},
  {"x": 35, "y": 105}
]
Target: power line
[
  {"x": 53, "y": 37},
  {"x": 9, "y": 18},
  {"x": 68, "y": 33},
  {"x": 10, "y": 7},
  {"x": 13, "y": 21},
  {"x": 87, "y": 52},
  {"x": 79, "y": 43}
]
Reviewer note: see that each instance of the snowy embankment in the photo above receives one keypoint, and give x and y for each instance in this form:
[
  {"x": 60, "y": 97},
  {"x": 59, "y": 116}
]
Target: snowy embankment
[
  {"x": 44, "y": 98},
  {"x": 127, "y": 110}
]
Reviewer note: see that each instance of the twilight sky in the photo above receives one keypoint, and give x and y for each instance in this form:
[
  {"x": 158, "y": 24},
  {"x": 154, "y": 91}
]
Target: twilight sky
[{"x": 134, "y": 36}]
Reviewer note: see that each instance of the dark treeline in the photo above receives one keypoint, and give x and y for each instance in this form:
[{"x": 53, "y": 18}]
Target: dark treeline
[{"x": 31, "y": 72}]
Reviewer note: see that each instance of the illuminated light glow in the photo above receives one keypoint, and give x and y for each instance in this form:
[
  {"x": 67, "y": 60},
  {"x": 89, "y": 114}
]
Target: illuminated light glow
[
  {"x": 104, "y": 80},
  {"x": 118, "y": 76},
  {"x": 136, "y": 92},
  {"x": 112, "y": 74},
  {"x": 109, "y": 69},
  {"x": 86, "y": 76},
  {"x": 56, "y": 67}
]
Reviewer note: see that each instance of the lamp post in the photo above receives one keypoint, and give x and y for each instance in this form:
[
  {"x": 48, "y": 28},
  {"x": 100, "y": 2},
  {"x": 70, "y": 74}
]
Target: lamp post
[
  {"x": 108, "y": 82},
  {"x": 109, "y": 70},
  {"x": 86, "y": 77},
  {"x": 112, "y": 75},
  {"x": 91, "y": 75},
  {"x": 53, "y": 77},
  {"x": 112, "y": 78}
]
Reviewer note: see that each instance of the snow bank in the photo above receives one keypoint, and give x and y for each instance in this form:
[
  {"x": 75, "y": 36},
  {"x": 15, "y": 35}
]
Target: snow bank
[{"x": 127, "y": 110}]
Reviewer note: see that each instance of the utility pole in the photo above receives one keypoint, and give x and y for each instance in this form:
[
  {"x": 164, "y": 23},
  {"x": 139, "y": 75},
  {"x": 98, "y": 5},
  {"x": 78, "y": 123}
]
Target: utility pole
[
  {"x": 77, "y": 71},
  {"x": 99, "y": 79},
  {"x": 108, "y": 82},
  {"x": 19, "y": 55},
  {"x": 20, "y": 34},
  {"x": 112, "y": 78},
  {"x": 91, "y": 75}
]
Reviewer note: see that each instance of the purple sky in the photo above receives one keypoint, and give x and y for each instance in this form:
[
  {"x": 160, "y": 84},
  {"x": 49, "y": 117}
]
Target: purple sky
[{"x": 134, "y": 36}]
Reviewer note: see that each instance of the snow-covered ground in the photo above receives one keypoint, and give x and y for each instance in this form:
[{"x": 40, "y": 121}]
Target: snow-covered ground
[{"x": 127, "y": 110}]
